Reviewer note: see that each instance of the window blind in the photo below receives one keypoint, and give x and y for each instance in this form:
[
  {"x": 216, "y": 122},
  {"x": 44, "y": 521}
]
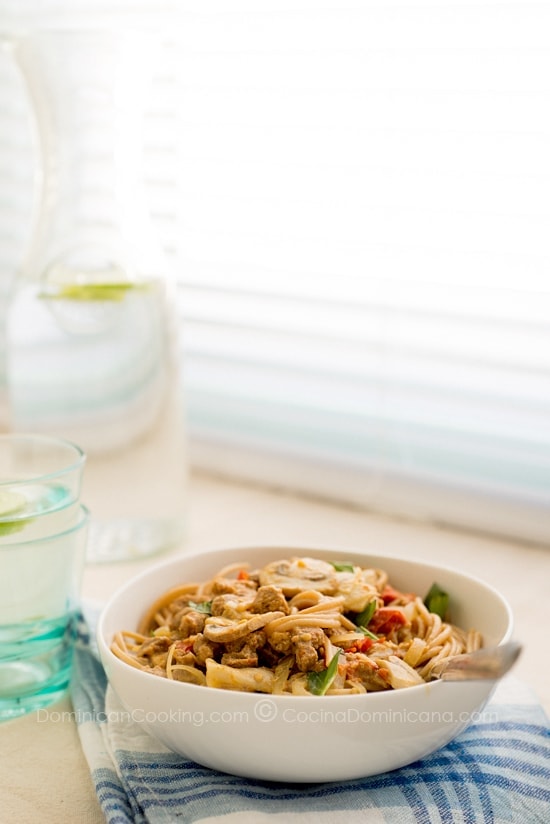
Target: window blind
[
  {"x": 354, "y": 200},
  {"x": 364, "y": 257}
]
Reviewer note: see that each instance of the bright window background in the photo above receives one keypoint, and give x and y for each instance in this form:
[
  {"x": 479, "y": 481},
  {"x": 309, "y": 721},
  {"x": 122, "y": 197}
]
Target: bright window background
[{"x": 355, "y": 201}]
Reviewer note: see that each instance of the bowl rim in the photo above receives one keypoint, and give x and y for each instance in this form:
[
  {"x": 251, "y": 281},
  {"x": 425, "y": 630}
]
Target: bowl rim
[{"x": 309, "y": 551}]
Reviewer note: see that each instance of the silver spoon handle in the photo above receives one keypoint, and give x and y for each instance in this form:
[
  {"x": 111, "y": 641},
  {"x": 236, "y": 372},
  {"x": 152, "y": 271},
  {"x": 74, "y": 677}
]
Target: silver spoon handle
[{"x": 490, "y": 663}]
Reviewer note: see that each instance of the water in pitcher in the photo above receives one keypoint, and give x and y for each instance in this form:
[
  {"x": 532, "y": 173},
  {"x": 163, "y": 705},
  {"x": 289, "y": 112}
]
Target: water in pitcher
[
  {"x": 91, "y": 346},
  {"x": 96, "y": 362}
]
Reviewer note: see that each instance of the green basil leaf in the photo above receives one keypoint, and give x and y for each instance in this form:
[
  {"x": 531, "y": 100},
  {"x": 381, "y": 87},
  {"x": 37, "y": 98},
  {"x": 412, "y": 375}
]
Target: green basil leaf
[
  {"x": 364, "y": 617},
  {"x": 368, "y": 633},
  {"x": 319, "y": 682},
  {"x": 342, "y": 567},
  {"x": 437, "y": 601},
  {"x": 203, "y": 606}
]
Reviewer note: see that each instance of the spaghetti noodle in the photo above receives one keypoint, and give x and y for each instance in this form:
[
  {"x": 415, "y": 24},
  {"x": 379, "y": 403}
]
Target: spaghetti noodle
[{"x": 297, "y": 626}]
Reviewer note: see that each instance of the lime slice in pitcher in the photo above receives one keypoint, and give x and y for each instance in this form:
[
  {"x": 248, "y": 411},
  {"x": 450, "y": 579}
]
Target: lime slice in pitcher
[
  {"x": 92, "y": 291},
  {"x": 11, "y": 503}
]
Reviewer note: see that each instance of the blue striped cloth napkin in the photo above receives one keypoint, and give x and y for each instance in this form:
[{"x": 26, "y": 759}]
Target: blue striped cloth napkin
[{"x": 496, "y": 771}]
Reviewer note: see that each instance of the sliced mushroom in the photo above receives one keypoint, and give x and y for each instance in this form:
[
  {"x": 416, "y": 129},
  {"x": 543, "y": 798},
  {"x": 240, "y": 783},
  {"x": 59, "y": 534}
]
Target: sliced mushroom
[
  {"x": 189, "y": 675},
  {"x": 299, "y": 574},
  {"x": 231, "y": 606},
  {"x": 399, "y": 674},
  {"x": 415, "y": 651},
  {"x": 358, "y": 588},
  {"x": 245, "y": 679}
]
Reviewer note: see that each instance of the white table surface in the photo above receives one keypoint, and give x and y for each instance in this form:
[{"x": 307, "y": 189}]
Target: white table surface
[{"x": 44, "y": 776}]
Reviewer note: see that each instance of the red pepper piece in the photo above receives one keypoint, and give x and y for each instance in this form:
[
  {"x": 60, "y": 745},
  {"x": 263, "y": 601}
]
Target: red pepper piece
[
  {"x": 385, "y": 620},
  {"x": 390, "y": 594}
]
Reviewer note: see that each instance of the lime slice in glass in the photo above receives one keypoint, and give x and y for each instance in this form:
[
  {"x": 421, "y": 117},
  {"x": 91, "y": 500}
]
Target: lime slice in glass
[{"x": 11, "y": 503}]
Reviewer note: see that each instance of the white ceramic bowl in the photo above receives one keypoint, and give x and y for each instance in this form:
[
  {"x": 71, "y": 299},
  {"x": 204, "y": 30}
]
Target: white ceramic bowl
[{"x": 301, "y": 738}]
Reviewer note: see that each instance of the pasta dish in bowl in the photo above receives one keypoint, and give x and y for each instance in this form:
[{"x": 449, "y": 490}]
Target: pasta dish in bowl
[
  {"x": 299, "y": 653},
  {"x": 301, "y": 625}
]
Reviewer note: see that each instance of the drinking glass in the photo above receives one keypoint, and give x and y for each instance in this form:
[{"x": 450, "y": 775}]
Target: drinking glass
[
  {"x": 43, "y": 532},
  {"x": 40, "y": 486}
]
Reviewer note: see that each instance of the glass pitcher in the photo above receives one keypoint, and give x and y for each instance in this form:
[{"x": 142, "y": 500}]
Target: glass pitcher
[{"x": 92, "y": 349}]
